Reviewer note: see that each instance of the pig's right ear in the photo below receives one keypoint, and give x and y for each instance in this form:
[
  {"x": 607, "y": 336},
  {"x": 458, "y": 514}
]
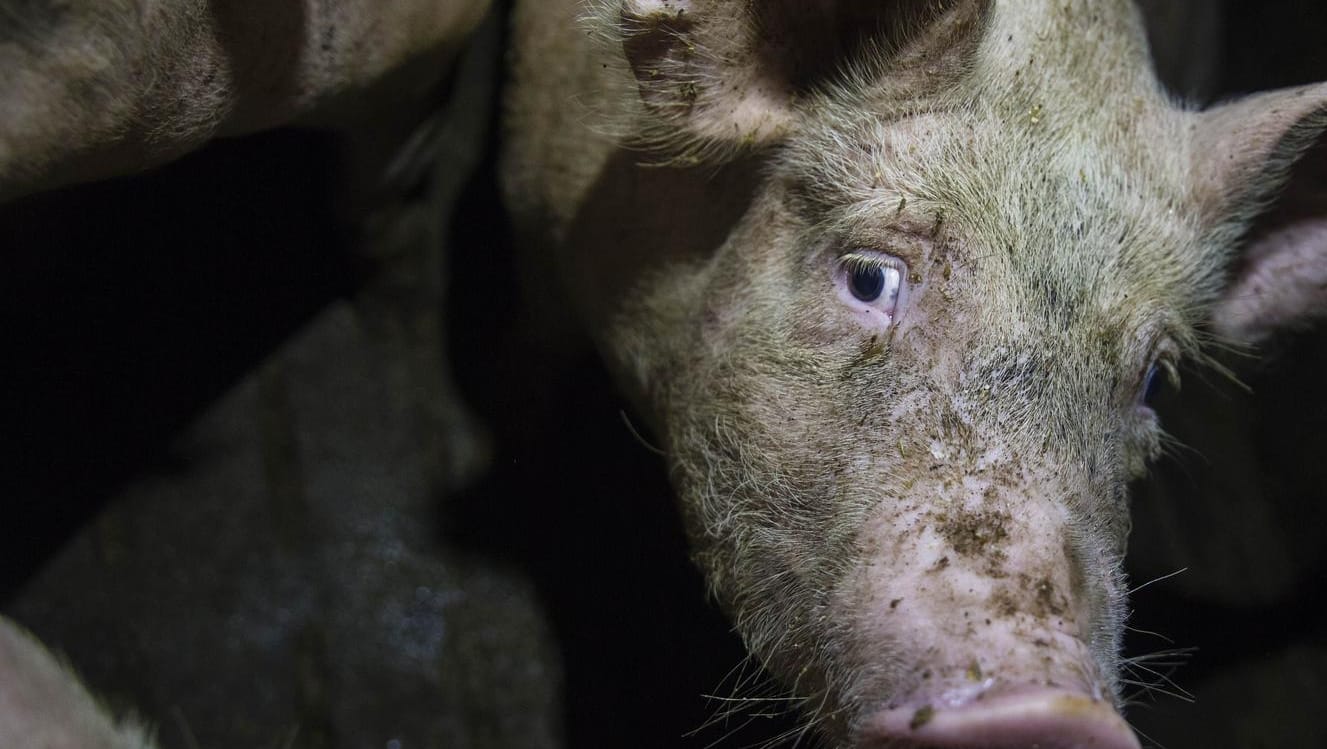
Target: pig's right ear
[{"x": 727, "y": 75}]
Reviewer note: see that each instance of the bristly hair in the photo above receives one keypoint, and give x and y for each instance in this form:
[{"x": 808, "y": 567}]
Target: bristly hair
[
  {"x": 658, "y": 133},
  {"x": 682, "y": 107}
]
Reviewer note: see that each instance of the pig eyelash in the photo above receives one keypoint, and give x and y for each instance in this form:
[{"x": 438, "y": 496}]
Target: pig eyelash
[{"x": 873, "y": 285}]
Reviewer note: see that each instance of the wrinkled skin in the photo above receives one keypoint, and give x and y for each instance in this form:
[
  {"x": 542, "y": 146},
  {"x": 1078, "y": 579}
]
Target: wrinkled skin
[{"x": 915, "y": 512}]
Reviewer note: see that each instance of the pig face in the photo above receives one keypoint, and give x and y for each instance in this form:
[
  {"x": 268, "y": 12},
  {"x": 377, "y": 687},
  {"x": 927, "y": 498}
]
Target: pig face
[
  {"x": 906, "y": 418},
  {"x": 903, "y": 399}
]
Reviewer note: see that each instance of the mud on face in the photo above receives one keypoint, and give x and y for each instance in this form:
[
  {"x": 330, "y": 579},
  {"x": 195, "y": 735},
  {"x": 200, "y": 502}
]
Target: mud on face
[{"x": 914, "y": 511}]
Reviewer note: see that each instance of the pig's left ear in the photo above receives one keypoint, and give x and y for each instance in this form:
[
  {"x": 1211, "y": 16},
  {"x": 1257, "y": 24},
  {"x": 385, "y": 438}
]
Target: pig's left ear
[
  {"x": 1261, "y": 163},
  {"x": 725, "y": 75}
]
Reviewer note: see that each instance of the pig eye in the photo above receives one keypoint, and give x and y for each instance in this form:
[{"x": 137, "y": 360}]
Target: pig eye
[
  {"x": 1151, "y": 383},
  {"x": 1160, "y": 373},
  {"x": 871, "y": 283},
  {"x": 867, "y": 282}
]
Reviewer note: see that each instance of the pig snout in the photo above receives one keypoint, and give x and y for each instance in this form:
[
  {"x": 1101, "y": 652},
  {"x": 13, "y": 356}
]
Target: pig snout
[
  {"x": 1036, "y": 719},
  {"x": 991, "y": 602}
]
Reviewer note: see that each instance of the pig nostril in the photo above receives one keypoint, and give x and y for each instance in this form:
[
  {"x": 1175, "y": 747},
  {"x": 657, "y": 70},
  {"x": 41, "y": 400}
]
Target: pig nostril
[{"x": 1046, "y": 719}]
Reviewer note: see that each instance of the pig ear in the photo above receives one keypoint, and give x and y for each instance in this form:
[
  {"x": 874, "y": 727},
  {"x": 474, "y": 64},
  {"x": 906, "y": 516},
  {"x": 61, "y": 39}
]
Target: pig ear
[
  {"x": 1261, "y": 164},
  {"x": 734, "y": 74}
]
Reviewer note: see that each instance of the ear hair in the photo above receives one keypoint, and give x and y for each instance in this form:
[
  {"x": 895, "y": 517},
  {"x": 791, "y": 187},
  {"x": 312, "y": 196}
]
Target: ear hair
[
  {"x": 703, "y": 93},
  {"x": 1245, "y": 150},
  {"x": 720, "y": 77}
]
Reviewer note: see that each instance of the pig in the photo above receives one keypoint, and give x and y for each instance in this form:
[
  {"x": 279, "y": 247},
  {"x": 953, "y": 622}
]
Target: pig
[
  {"x": 892, "y": 284},
  {"x": 43, "y": 705},
  {"x": 100, "y": 88},
  {"x": 93, "y": 89}
]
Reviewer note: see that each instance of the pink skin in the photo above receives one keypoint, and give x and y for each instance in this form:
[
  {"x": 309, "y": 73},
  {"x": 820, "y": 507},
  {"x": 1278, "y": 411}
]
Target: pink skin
[
  {"x": 1284, "y": 283},
  {"x": 1042, "y": 719},
  {"x": 989, "y": 636}
]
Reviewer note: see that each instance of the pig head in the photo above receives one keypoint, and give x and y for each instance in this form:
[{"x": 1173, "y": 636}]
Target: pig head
[{"x": 893, "y": 283}]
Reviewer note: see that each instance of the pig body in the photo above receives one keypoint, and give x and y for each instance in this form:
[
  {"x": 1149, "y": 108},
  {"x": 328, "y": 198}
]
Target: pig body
[
  {"x": 102, "y": 88},
  {"x": 893, "y": 285},
  {"x": 99, "y": 89},
  {"x": 43, "y": 705}
]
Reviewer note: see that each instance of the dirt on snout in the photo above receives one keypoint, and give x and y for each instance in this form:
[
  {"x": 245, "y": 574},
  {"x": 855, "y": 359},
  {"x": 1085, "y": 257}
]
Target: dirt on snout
[{"x": 977, "y": 534}]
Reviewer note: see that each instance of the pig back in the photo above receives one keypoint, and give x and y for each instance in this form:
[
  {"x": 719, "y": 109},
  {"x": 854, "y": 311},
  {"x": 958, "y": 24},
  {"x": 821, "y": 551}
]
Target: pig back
[{"x": 552, "y": 153}]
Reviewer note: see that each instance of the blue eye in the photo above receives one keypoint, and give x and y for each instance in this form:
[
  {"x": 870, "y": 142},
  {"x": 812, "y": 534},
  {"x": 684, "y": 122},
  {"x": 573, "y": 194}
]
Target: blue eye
[
  {"x": 870, "y": 283},
  {"x": 1153, "y": 383},
  {"x": 867, "y": 282}
]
